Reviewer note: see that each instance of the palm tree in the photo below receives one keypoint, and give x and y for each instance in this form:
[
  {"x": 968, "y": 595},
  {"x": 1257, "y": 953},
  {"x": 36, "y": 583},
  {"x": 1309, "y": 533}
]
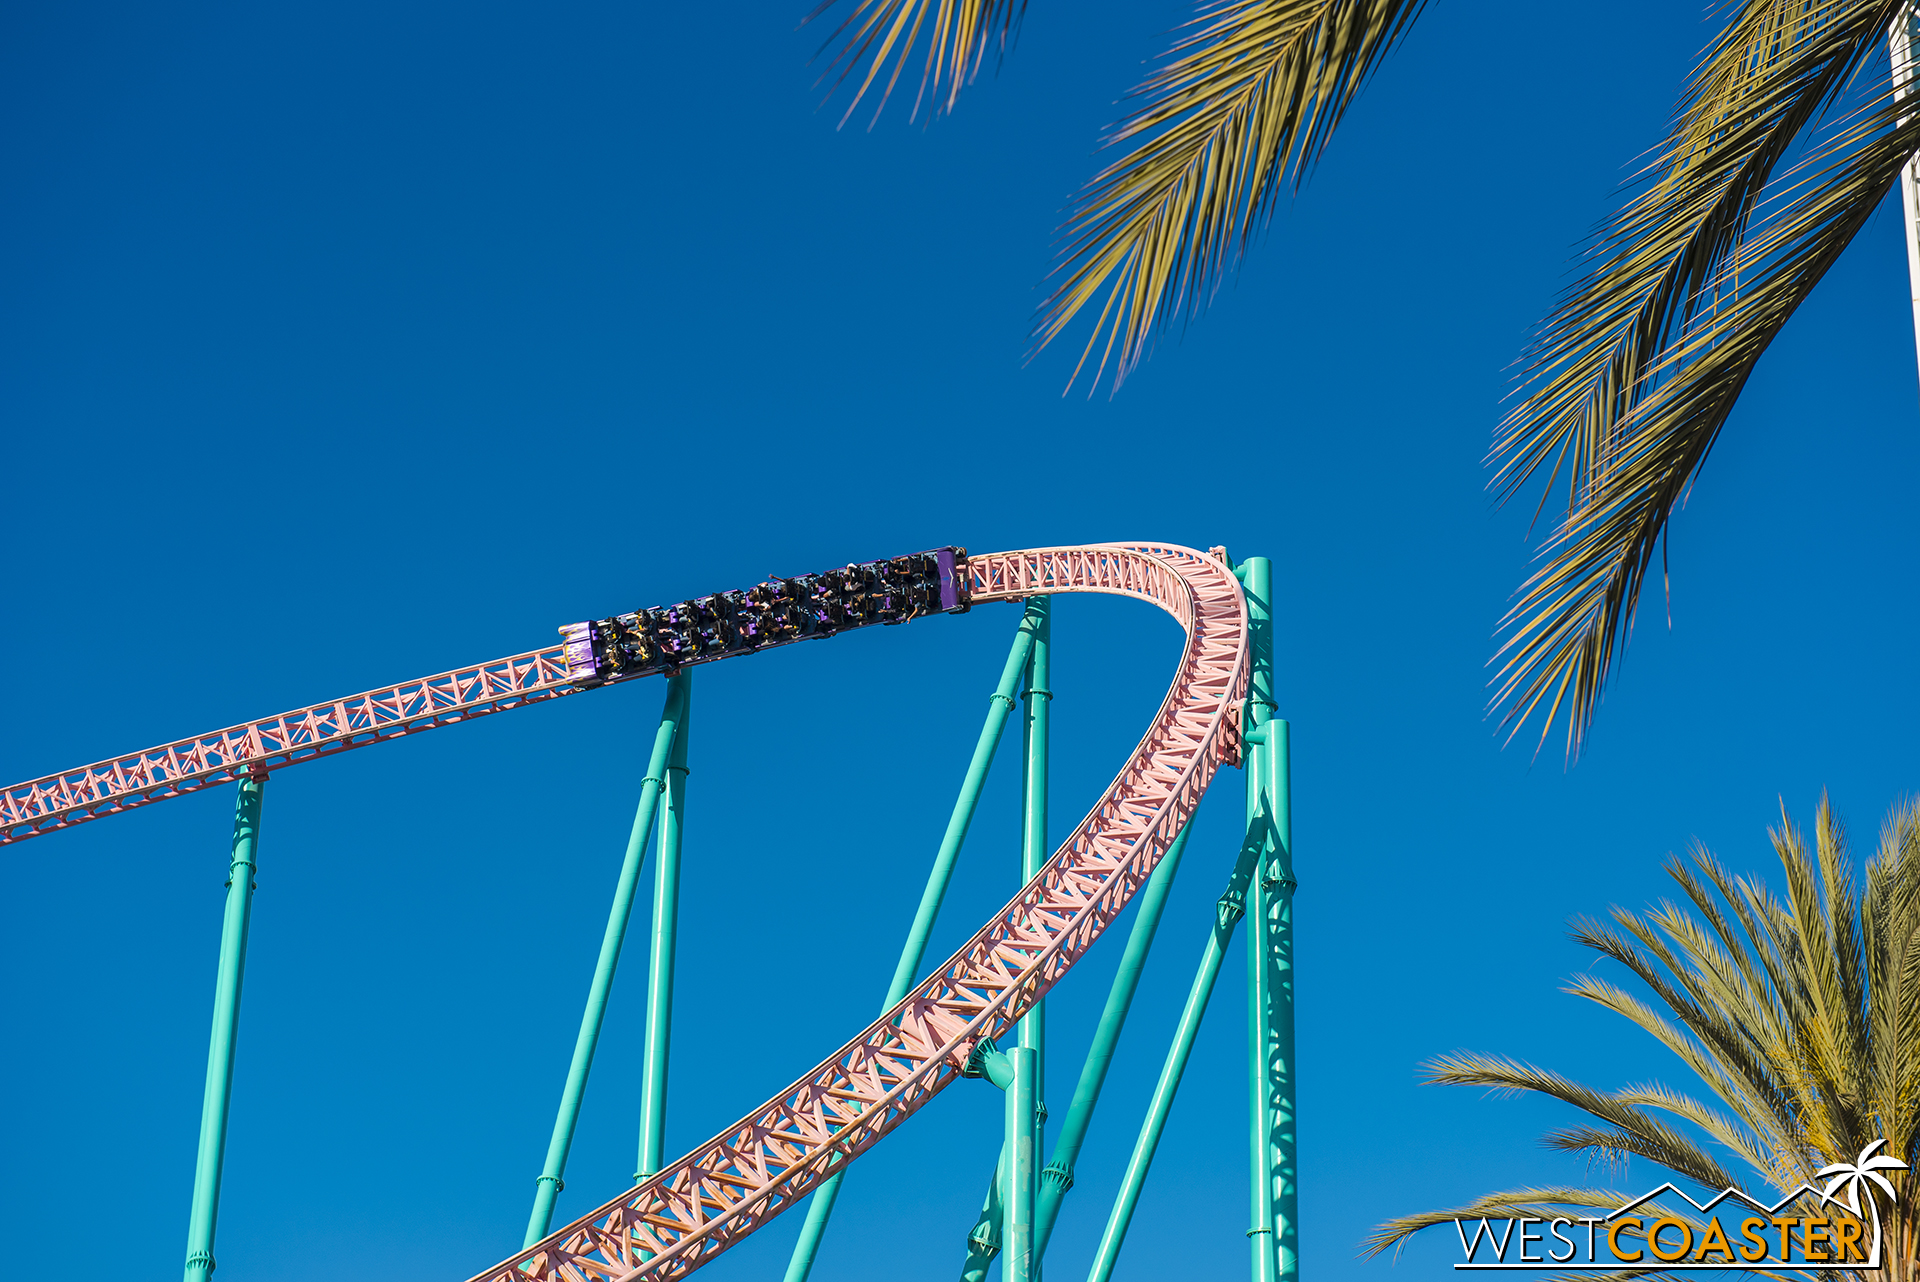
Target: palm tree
[
  {"x": 1800, "y": 1018},
  {"x": 1780, "y": 149}
]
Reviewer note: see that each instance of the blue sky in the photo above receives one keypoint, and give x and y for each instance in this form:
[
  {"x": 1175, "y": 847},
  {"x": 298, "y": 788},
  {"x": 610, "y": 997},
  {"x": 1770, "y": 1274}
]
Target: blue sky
[{"x": 342, "y": 344}]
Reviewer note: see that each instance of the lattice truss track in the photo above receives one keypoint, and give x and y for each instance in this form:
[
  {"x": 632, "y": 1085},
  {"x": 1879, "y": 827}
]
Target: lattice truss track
[
  {"x": 729, "y": 1186},
  {"x": 109, "y": 787},
  {"x": 697, "y": 1207}
]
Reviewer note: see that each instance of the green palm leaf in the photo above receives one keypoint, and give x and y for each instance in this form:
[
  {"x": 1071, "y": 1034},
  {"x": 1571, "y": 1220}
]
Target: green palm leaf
[
  {"x": 1252, "y": 92},
  {"x": 883, "y": 36},
  {"x": 1637, "y": 369},
  {"x": 1800, "y": 1016},
  {"x": 1631, "y": 1130}
]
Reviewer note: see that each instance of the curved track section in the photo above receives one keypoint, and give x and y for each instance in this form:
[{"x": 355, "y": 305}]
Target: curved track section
[
  {"x": 726, "y": 1188},
  {"x": 729, "y": 1186}
]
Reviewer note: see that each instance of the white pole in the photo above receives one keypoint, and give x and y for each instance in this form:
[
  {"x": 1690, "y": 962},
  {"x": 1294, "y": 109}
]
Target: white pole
[{"x": 1901, "y": 39}]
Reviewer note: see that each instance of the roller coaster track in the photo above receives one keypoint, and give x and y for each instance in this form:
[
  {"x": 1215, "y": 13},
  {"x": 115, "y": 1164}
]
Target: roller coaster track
[{"x": 724, "y": 1189}]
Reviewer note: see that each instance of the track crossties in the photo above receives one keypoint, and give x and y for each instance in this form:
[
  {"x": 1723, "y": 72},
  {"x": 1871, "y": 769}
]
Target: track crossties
[{"x": 718, "y": 1194}]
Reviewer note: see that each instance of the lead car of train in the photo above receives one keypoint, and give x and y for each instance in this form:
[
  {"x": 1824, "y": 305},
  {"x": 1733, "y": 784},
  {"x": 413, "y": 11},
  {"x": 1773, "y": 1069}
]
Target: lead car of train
[{"x": 776, "y": 612}]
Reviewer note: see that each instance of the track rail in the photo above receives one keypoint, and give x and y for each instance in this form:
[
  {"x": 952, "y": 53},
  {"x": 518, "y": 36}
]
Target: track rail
[
  {"x": 320, "y": 730},
  {"x": 697, "y": 1207},
  {"x": 724, "y": 1189},
  {"x": 323, "y": 729}
]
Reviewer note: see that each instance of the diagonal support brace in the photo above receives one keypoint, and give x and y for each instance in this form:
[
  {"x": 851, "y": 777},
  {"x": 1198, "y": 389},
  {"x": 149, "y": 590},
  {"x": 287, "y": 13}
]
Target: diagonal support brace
[{"x": 999, "y": 704}]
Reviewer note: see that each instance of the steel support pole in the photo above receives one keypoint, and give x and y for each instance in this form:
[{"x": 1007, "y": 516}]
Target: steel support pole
[
  {"x": 1260, "y": 1000},
  {"x": 1263, "y": 979},
  {"x": 1228, "y": 911},
  {"x": 983, "y": 1242},
  {"x": 1023, "y": 1145},
  {"x": 988, "y": 1061},
  {"x": 548, "y": 1186},
  {"x": 666, "y": 917},
  {"x": 205, "y": 1214},
  {"x": 999, "y": 706},
  {"x": 1034, "y": 850},
  {"x": 1283, "y": 1119},
  {"x": 1057, "y": 1178}
]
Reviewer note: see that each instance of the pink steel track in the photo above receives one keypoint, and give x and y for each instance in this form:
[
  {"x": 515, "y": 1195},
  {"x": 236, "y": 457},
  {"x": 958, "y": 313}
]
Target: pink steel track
[{"x": 729, "y": 1186}]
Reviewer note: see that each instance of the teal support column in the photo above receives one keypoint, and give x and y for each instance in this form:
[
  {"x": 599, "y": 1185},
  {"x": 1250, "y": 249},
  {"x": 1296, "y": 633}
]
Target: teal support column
[
  {"x": 1282, "y": 1067},
  {"x": 999, "y": 706},
  {"x": 1260, "y": 999},
  {"x": 205, "y": 1214},
  {"x": 1269, "y": 977},
  {"x": 1034, "y": 850},
  {"x": 1230, "y": 908},
  {"x": 1057, "y": 1178},
  {"x": 1015, "y": 1179},
  {"x": 983, "y": 1242},
  {"x": 1023, "y": 1145},
  {"x": 548, "y": 1186},
  {"x": 666, "y": 917}
]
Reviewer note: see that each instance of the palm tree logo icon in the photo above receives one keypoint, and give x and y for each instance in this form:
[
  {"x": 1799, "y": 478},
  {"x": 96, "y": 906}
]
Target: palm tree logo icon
[{"x": 1861, "y": 1174}]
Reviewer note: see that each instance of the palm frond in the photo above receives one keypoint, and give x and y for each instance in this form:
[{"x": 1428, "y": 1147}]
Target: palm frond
[
  {"x": 883, "y": 36},
  {"x": 1633, "y": 1130},
  {"x": 1642, "y": 360},
  {"x": 1723, "y": 1127},
  {"x": 1890, "y": 926},
  {"x": 1799, "y": 1015},
  {"x": 1731, "y": 1070},
  {"x": 1709, "y": 887},
  {"x": 1721, "y": 1050},
  {"x": 1830, "y": 1061},
  {"x": 1249, "y": 96}
]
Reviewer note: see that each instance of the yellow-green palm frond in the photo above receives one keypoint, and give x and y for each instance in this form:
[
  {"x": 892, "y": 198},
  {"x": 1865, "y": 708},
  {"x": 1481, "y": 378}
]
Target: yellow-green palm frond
[
  {"x": 1250, "y": 93},
  {"x": 883, "y": 36},
  {"x": 1630, "y": 1131},
  {"x": 1740, "y": 1076},
  {"x": 1721, "y": 1126},
  {"x": 1890, "y": 934},
  {"x": 1776, "y": 159},
  {"x": 1721, "y": 1044},
  {"x": 1798, "y": 1014},
  {"x": 1709, "y": 887}
]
